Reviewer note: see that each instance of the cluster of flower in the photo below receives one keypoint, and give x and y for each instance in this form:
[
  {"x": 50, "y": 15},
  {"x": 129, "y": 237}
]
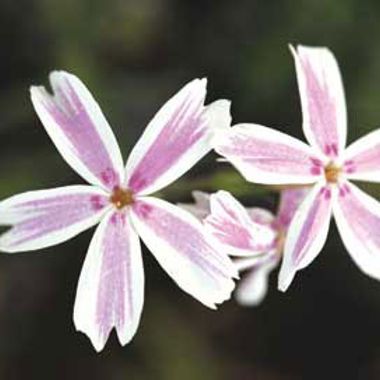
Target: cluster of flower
[{"x": 194, "y": 243}]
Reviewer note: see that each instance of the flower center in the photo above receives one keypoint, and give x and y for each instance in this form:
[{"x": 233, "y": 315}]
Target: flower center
[
  {"x": 332, "y": 172},
  {"x": 121, "y": 197}
]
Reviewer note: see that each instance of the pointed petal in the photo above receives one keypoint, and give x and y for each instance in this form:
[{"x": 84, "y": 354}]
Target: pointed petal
[
  {"x": 362, "y": 158},
  {"x": 178, "y": 242},
  {"x": 177, "y": 137},
  {"x": 307, "y": 233},
  {"x": 110, "y": 291},
  {"x": 48, "y": 217},
  {"x": 357, "y": 216},
  {"x": 322, "y": 99},
  {"x": 230, "y": 224},
  {"x": 290, "y": 199},
  {"x": 78, "y": 128},
  {"x": 253, "y": 288},
  {"x": 201, "y": 208},
  {"x": 264, "y": 155}
]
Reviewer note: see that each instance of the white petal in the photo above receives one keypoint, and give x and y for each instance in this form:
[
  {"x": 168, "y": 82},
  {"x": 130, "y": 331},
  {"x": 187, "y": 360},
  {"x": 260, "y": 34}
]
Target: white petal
[
  {"x": 184, "y": 251},
  {"x": 44, "y": 218},
  {"x": 264, "y": 155},
  {"x": 79, "y": 130},
  {"x": 253, "y": 287},
  {"x": 362, "y": 158},
  {"x": 110, "y": 291},
  {"x": 232, "y": 227},
  {"x": 307, "y": 232},
  {"x": 178, "y": 136},
  {"x": 201, "y": 208},
  {"x": 357, "y": 216},
  {"x": 290, "y": 200},
  {"x": 322, "y": 98}
]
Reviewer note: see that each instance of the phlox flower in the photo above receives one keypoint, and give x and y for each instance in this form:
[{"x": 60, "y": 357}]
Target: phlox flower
[
  {"x": 264, "y": 155},
  {"x": 110, "y": 292},
  {"x": 255, "y": 236}
]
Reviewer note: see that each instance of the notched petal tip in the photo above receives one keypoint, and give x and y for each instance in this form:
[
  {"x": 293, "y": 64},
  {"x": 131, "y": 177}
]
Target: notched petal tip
[{"x": 97, "y": 343}]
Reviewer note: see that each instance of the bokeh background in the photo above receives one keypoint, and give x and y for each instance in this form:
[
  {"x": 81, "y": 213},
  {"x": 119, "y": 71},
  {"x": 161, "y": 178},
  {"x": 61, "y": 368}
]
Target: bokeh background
[{"x": 134, "y": 54}]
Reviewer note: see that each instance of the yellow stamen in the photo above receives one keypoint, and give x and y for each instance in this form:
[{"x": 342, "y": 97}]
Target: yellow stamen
[
  {"x": 332, "y": 173},
  {"x": 121, "y": 197}
]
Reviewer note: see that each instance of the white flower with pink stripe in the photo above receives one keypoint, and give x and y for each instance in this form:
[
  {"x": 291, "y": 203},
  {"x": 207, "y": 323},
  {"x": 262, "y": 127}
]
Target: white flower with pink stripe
[
  {"x": 110, "y": 292},
  {"x": 253, "y": 235},
  {"x": 264, "y": 155}
]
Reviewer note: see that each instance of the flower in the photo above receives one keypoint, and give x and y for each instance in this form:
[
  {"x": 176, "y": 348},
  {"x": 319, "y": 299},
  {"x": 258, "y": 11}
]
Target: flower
[
  {"x": 264, "y": 155},
  {"x": 221, "y": 209},
  {"x": 110, "y": 292}
]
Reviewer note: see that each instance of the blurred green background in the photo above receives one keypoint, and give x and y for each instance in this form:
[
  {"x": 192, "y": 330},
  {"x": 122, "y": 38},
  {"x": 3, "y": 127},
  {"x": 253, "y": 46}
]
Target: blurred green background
[{"x": 134, "y": 55}]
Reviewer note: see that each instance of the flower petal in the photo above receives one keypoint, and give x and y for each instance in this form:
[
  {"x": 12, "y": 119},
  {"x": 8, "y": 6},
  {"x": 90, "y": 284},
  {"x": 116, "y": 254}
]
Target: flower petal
[
  {"x": 253, "y": 288},
  {"x": 322, "y": 99},
  {"x": 290, "y": 200},
  {"x": 362, "y": 158},
  {"x": 264, "y": 155},
  {"x": 177, "y": 137},
  {"x": 230, "y": 224},
  {"x": 357, "y": 216},
  {"x": 201, "y": 208},
  {"x": 177, "y": 241},
  {"x": 48, "y": 217},
  {"x": 260, "y": 215},
  {"x": 110, "y": 291},
  {"x": 78, "y": 128},
  {"x": 307, "y": 233}
]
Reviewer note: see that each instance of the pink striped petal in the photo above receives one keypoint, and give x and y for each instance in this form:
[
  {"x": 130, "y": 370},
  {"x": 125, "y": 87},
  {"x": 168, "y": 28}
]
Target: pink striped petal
[
  {"x": 307, "y": 233},
  {"x": 322, "y": 98},
  {"x": 357, "y": 216},
  {"x": 177, "y": 137},
  {"x": 78, "y": 128},
  {"x": 230, "y": 224},
  {"x": 290, "y": 200},
  {"x": 48, "y": 217},
  {"x": 362, "y": 158},
  {"x": 110, "y": 292},
  {"x": 264, "y": 155},
  {"x": 177, "y": 241},
  {"x": 261, "y": 215},
  {"x": 253, "y": 287}
]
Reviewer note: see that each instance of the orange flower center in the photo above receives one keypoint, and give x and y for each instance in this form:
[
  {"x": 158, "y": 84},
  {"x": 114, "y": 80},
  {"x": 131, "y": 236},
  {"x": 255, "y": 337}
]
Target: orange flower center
[
  {"x": 332, "y": 173},
  {"x": 121, "y": 197}
]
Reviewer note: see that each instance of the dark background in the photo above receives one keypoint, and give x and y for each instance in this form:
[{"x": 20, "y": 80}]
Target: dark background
[{"x": 134, "y": 55}]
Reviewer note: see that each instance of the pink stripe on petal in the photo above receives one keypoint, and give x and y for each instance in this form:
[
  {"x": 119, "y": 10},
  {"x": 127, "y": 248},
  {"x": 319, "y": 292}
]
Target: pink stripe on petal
[
  {"x": 231, "y": 225},
  {"x": 322, "y": 98},
  {"x": 261, "y": 215},
  {"x": 48, "y": 217},
  {"x": 307, "y": 233},
  {"x": 178, "y": 242},
  {"x": 290, "y": 200},
  {"x": 357, "y": 216},
  {"x": 362, "y": 158},
  {"x": 111, "y": 286},
  {"x": 264, "y": 155},
  {"x": 75, "y": 123},
  {"x": 176, "y": 138}
]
